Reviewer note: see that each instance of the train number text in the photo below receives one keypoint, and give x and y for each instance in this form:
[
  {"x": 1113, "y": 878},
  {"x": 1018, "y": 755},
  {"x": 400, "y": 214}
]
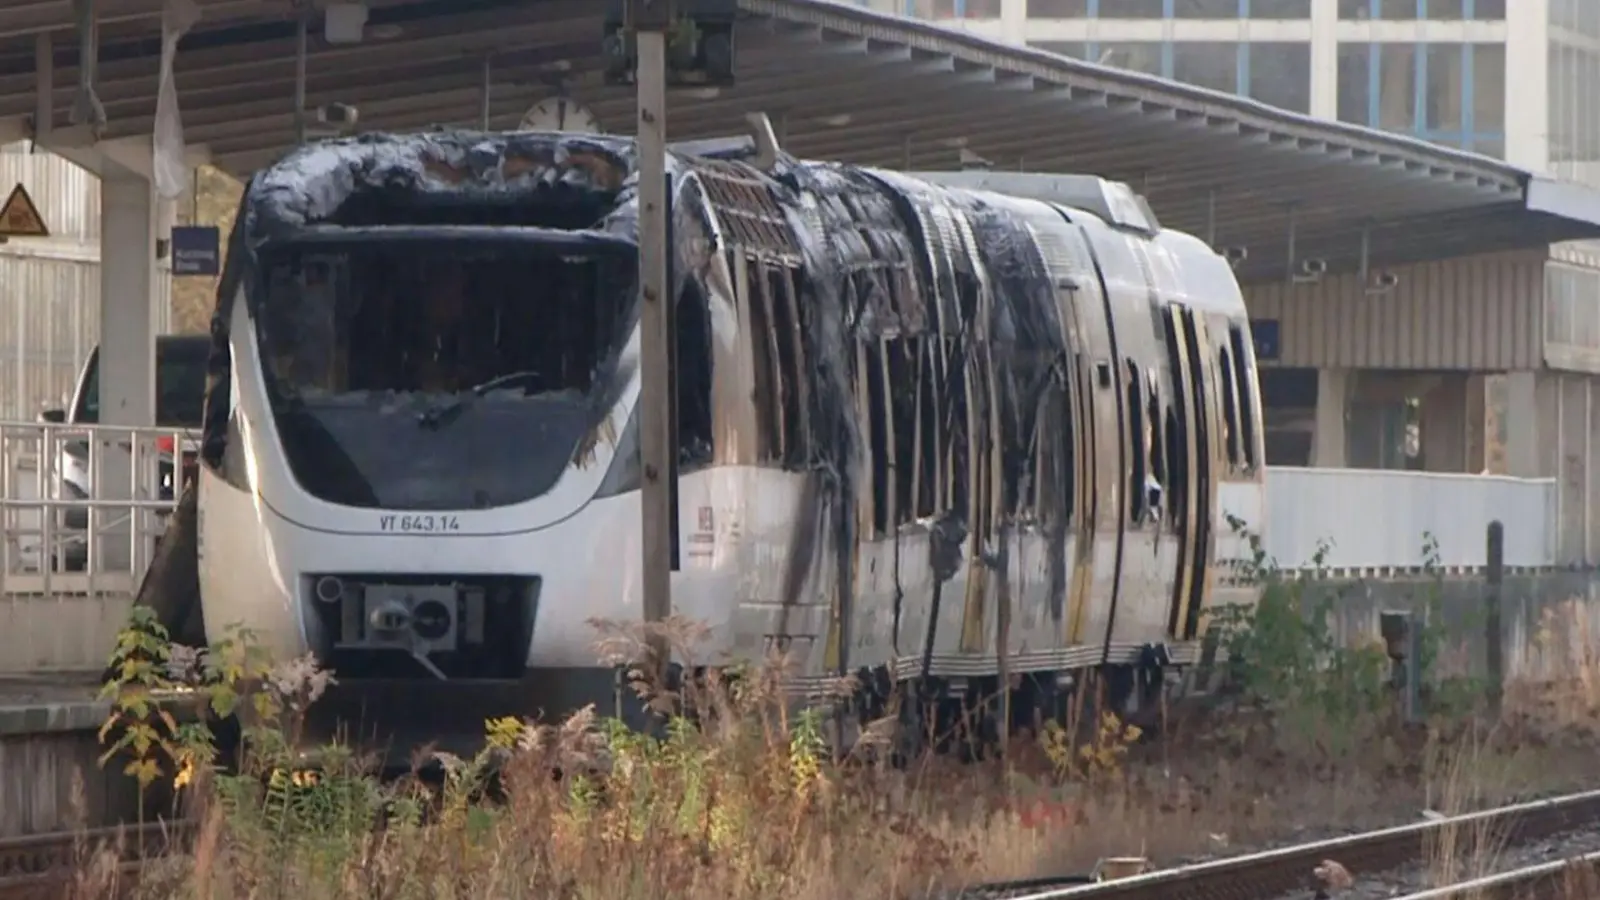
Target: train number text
[{"x": 419, "y": 524}]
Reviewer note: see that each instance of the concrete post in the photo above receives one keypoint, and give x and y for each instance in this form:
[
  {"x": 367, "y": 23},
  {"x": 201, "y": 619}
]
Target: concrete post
[
  {"x": 1527, "y": 100},
  {"x": 1333, "y": 406},
  {"x": 1495, "y": 555},
  {"x": 127, "y": 342},
  {"x": 1522, "y": 424},
  {"x": 1325, "y": 59}
]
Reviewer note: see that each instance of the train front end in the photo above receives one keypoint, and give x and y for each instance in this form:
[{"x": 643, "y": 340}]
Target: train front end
[{"x": 420, "y": 477}]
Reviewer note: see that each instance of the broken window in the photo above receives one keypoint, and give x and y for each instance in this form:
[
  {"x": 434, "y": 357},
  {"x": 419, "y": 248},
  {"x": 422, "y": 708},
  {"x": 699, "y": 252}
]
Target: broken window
[
  {"x": 1231, "y": 432},
  {"x": 1138, "y": 445},
  {"x": 897, "y": 382},
  {"x": 770, "y": 291},
  {"x": 1062, "y": 427},
  {"x": 911, "y": 406},
  {"x": 1177, "y": 423},
  {"x": 693, "y": 369},
  {"x": 1244, "y": 377},
  {"x": 420, "y": 370},
  {"x": 1048, "y": 447},
  {"x": 1157, "y": 442}
]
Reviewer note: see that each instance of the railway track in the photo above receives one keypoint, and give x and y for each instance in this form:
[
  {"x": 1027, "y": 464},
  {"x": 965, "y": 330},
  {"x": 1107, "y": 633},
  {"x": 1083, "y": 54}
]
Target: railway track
[
  {"x": 1288, "y": 871},
  {"x": 1568, "y": 879},
  {"x": 42, "y": 865}
]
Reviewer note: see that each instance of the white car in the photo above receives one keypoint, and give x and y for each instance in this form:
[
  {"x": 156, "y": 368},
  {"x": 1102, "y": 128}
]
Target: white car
[{"x": 180, "y": 398}]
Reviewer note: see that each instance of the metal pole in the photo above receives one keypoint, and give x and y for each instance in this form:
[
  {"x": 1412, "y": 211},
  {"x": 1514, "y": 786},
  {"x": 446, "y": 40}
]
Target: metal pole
[
  {"x": 655, "y": 450},
  {"x": 1413, "y": 687},
  {"x": 1496, "y": 558},
  {"x": 301, "y": 51},
  {"x": 488, "y": 93}
]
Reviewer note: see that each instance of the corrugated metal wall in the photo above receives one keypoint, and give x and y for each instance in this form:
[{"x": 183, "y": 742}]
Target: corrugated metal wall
[
  {"x": 51, "y": 321},
  {"x": 49, "y": 287},
  {"x": 1572, "y": 317},
  {"x": 1477, "y": 313}
]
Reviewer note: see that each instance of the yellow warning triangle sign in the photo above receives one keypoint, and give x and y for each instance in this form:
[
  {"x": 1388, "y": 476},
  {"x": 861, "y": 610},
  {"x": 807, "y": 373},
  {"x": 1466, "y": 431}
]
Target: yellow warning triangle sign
[{"x": 20, "y": 218}]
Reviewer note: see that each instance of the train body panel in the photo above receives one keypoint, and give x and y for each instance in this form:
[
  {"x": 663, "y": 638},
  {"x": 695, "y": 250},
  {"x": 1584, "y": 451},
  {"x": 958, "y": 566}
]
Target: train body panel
[{"x": 926, "y": 428}]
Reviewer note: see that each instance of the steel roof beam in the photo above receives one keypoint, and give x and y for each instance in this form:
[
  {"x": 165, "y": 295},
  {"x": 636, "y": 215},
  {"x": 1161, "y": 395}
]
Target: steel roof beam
[
  {"x": 416, "y": 106},
  {"x": 377, "y": 85}
]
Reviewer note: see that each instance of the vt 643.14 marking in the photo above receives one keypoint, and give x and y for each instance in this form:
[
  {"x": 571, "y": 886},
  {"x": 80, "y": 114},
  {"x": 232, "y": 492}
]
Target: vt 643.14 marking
[{"x": 422, "y": 524}]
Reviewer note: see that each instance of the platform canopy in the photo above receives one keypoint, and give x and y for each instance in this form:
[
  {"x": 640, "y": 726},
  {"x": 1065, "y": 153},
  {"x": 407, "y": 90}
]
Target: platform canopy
[{"x": 840, "y": 82}]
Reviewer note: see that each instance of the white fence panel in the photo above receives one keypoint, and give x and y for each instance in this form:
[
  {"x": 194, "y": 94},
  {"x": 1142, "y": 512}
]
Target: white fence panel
[{"x": 1379, "y": 519}]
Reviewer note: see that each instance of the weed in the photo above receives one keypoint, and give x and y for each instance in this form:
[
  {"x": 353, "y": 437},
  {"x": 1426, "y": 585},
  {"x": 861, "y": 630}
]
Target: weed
[{"x": 737, "y": 794}]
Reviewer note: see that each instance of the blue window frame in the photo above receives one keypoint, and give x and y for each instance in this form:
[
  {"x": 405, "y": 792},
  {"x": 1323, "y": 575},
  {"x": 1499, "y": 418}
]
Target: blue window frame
[{"x": 1468, "y": 136}]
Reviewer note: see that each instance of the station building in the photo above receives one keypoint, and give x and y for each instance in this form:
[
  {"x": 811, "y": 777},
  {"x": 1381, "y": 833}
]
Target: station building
[{"x": 1483, "y": 364}]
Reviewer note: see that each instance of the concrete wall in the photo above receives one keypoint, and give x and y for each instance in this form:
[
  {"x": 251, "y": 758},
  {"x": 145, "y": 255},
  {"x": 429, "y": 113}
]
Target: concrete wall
[{"x": 1550, "y": 622}]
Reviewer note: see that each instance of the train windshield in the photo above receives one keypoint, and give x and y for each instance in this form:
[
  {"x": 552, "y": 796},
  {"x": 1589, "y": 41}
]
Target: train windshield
[{"x": 456, "y": 370}]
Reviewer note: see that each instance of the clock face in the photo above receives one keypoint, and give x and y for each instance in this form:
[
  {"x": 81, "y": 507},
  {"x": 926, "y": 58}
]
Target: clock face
[{"x": 560, "y": 114}]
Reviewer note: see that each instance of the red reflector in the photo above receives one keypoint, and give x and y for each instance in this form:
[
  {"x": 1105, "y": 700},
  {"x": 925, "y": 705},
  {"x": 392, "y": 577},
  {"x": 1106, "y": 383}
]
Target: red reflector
[{"x": 164, "y": 444}]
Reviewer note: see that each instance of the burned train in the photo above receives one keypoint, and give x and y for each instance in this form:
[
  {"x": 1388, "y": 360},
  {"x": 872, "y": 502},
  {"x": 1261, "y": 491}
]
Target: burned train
[{"x": 932, "y": 427}]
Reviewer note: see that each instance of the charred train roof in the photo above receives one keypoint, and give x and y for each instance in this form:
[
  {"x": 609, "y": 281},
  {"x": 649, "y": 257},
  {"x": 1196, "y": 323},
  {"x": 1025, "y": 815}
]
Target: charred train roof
[
  {"x": 449, "y": 177},
  {"x": 584, "y": 183}
]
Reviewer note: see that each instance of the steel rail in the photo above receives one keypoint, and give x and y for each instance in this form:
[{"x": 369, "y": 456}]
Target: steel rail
[
  {"x": 1577, "y": 878},
  {"x": 1271, "y": 874}
]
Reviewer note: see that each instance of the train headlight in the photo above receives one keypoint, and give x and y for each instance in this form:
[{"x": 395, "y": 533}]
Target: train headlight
[
  {"x": 391, "y": 615},
  {"x": 329, "y": 589},
  {"x": 430, "y": 619}
]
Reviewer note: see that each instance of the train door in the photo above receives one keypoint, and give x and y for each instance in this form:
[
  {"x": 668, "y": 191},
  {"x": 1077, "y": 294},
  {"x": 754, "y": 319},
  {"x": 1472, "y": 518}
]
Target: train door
[
  {"x": 1183, "y": 497},
  {"x": 1097, "y": 576},
  {"x": 1190, "y": 355},
  {"x": 1142, "y": 593},
  {"x": 1082, "y": 461},
  {"x": 1083, "y": 402}
]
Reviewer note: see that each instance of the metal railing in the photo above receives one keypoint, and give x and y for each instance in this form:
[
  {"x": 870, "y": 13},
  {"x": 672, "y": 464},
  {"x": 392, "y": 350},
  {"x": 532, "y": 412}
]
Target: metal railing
[{"x": 81, "y": 508}]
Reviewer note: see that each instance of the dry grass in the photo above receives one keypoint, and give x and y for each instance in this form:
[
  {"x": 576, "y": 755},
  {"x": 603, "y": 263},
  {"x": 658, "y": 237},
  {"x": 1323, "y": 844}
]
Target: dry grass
[
  {"x": 752, "y": 804},
  {"x": 1551, "y": 714}
]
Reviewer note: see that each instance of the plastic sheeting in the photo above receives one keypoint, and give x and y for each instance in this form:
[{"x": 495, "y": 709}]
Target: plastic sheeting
[{"x": 171, "y": 170}]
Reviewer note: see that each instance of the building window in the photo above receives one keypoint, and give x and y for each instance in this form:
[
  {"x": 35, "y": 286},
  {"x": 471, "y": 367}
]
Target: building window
[
  {"x": 1139, "y": 56},
  {"x": 1481, "y": 10},
  {"x": 1452, "y": 94},
  {"x": 1280, "y": 9},
  {"x": 1133, "y": 9},
  {"x": 1396, "y": 88},
  {"x": 1072, "y": 49},
  {"x": 1208, "y": 64},
  {"x": 1279, "y": 74},
  {"x": 1407, "y": 10},
  {"x": 1489, "y": 90},
  {"x": 931, "y": 9},
  {"x": 1571, "y": 317},
  {"x": 1399, "y": 10},
  {"x": 1205, "y": 9},
  {"x": 1494, "y": 146},
  {"x": 953, "y": 9},
  {"x": 1582, "y": 16},
  {"x": 1058, "y": 9},
  {"x": 1574, "y": 116},
  {"x": 1445, "y": 89},
  {"x": 1354, "y": 82}
]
